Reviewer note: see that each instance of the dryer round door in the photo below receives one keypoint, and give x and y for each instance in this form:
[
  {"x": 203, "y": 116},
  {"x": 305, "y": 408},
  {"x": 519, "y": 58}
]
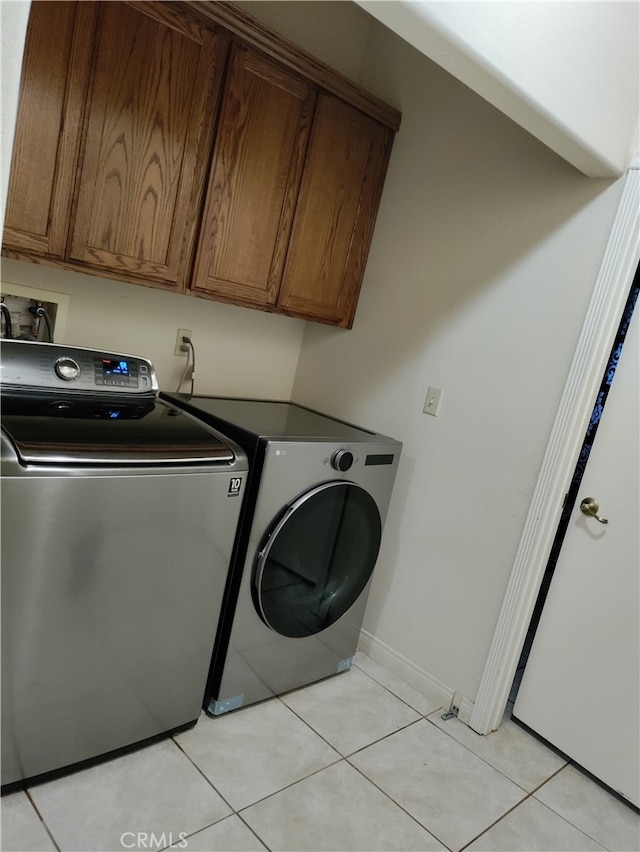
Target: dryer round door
[{"x": 317, "y": 559}]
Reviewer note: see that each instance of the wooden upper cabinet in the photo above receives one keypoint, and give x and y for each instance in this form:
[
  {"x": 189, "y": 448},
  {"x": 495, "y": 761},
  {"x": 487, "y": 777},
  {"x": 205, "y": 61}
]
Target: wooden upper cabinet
[
  {"x": 335, "y": 215},
  {"x": 293, "y": 192},
  {"x": 258, "y": 157},
  {"x": 182, "y": 145},
  {"x": 148, "y": 130},
  {"x": 54, "y": 74}
]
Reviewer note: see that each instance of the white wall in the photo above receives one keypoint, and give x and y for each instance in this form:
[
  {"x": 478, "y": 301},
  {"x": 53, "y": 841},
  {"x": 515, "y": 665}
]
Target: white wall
[
  {"x": 239, "y": 352},
  {"x": 335, "y": 32},
  {"x": 568, "y": 72},
  {"x": 484, "y": 256},
  {"x": 13, "y": 26}
]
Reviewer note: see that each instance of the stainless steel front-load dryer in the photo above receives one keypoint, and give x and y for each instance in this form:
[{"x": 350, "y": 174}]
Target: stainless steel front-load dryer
[{"x": 307, "y": 544}]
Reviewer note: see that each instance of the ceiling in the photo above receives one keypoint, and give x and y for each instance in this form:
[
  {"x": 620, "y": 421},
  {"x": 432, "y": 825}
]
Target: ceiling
[{"x": 568, "y": 72}]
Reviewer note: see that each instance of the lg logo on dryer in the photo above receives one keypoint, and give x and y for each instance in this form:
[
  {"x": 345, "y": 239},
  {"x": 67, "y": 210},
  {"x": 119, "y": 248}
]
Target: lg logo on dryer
[{"x": 235, "y": 484}]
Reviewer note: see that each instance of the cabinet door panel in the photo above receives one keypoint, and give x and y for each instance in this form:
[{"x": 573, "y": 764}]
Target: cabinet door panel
[
  {"x": 54, "y": 73},
  {"x": 149, "y": 122},
  {"x": 339, "y": 195},
  {"x": 262, "y": 137}
]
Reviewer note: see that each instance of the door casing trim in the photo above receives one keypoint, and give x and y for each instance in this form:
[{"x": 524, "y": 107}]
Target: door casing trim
[{"x": 620, "y": 259}]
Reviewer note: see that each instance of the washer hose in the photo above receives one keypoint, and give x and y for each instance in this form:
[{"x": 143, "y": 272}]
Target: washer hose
[{"x": 8, "y": 328}]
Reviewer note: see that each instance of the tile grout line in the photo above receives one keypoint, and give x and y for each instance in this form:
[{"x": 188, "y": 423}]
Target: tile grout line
[
  {"x": 238, "y": 813},
  {"x": 344, "y": 756},
  {"x": 495, "y": 822},
  {"x": 562, "y": 816},
  {"x": 391, "y": 692},
  {"x": 208, "y": 780},
  {"x": 41, "y": 818},
  {"x": 234, "y": 812},
  {"x": 527, "y": 794},
  {"x": 253, "y": 831},
  {"x": 491, "y": 765},
  {"x": 397, "y": 804},
  {"x": 513, "y": 808},
  {"x": 288, "y": 786},
  {"x": 531, "y": 795},
  {"x": 340, "y": 758},
  {"x": 426, "y": 717},
  {"x": 382, "y": 739}
]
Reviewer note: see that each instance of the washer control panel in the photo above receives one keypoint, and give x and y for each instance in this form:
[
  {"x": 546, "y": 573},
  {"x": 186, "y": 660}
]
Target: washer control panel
[
  {"x": 48, "y": 366},
  {"x": 122, "y": 372}
]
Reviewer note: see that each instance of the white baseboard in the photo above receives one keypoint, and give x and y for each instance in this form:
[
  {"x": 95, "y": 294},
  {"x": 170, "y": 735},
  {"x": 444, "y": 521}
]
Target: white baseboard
[
  {"x": 465, "y": 707},
  {"x": 426, "y": 684}
]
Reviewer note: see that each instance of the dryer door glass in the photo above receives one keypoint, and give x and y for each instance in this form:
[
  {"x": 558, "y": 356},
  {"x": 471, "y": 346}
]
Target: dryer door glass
[{"x": 317, "y": 559}]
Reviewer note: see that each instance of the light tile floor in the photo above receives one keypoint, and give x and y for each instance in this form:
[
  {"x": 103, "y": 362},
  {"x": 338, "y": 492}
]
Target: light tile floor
[{"x": 360, "y": 761}]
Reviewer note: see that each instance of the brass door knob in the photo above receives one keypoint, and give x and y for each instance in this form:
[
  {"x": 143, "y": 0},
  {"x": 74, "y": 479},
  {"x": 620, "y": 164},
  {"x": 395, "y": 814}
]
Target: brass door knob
[{"x": 591, "y": 507}]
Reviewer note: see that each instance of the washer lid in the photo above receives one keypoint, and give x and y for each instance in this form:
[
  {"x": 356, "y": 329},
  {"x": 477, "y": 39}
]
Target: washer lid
[{"x": 52, "y": 429}]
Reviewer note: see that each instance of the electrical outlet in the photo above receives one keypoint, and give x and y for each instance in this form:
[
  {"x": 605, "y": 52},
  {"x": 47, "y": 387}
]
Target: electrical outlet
[
  {"x": 182, "y": 332},
  {"x": 432, "y": 402}
]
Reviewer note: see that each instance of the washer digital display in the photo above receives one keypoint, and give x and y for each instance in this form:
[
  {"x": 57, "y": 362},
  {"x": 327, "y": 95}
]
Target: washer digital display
[{"x": 113, "y": 367}]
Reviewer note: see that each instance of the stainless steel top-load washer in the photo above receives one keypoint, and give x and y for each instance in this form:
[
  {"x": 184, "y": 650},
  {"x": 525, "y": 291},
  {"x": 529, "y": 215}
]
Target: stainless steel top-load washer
[
  {"x": 118, "y": 518},
  {"x": 307, "y": 544}
]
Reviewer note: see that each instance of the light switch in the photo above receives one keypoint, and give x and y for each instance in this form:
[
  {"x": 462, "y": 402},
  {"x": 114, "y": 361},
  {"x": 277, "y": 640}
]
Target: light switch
[{"x": 432, "y": 402}]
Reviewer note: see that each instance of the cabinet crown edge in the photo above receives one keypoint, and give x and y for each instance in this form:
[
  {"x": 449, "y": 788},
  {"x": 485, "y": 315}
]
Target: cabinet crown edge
[{"x": 269, "y": 41}]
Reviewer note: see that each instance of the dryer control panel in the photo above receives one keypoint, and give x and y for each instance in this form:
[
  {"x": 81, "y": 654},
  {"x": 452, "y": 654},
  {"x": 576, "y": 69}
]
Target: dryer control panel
[{"x": 47, "y": 367}]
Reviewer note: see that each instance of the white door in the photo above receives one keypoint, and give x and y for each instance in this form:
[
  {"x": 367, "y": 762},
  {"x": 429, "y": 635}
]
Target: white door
[{"x": 581, "y": 684}]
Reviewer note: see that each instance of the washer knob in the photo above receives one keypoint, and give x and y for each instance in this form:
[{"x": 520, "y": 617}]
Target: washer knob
[
  {"x": 67, "y": 369},
  {"x": 342, "y": 460}
]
